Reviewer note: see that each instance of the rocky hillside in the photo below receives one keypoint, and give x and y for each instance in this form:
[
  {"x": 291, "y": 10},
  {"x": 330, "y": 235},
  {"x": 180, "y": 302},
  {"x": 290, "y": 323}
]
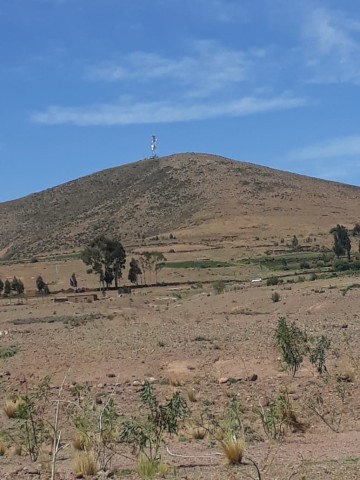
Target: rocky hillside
[{"x": 194, "y": 195}]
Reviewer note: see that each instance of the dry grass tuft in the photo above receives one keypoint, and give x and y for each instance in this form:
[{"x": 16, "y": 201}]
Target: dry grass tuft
[
  {"x": 192, "y": 395},
  {"x": 175, "y": 381},
  {"x": 146, "y": 467},
  {"x": 85, "y": 464},
  {"x": 18, "y": 450},
  {"x": 234, "y": 450},
  {"x": 163, "y": 469},
  {"x": 79, "y": 442},
  {"x": 2, "y": 449},
  {"x": 11, "y": 407},
  {"x": 219, "y": 434},
  {"x": 198, "y": 433}
]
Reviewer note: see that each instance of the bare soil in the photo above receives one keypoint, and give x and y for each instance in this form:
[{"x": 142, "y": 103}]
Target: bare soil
[{"x": 187, "y": 337}]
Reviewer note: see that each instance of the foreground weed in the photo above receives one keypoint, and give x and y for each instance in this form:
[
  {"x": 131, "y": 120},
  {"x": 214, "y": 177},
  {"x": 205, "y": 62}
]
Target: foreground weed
[
  {"x": 280, "y": 416},
  {"x": 318, "y": 353},
  {"x": 327, "y": 401},
  {"x": 146, "y": 435},
  {"x": 228, "y": 431},
  {"x": 292, "y": 343},
  {"x": 8, "y": 352},
  {"x": 97, "y": 425},
  {"x": 31, "y": 429}
]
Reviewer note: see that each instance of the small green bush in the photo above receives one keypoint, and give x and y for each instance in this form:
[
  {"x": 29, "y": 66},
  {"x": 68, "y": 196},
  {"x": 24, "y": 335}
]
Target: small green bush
[
  {"x": 275, "y": 297},
  {"x": 219, "y": 287},
  {"x": 272, "y": 281}
]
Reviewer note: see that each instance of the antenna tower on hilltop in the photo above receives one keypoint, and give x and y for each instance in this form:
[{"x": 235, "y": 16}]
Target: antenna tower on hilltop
[{"x": 153, "y": 146}]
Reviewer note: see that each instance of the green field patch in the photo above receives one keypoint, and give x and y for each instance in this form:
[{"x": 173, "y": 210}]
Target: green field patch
[{"x": 290, "y": 261}]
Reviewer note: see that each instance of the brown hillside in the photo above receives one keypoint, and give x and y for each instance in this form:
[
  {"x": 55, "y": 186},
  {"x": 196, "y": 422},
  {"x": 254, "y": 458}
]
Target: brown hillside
[{"x": 193, "y": 195}]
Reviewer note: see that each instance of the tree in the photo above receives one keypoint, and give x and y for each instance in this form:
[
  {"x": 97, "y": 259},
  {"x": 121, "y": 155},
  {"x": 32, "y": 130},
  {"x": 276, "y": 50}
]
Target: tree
[
  {"x": 159, "y": 260},
  {"x": 342, "y": 241},
  {"x": 134, "y": 271},
  {"x": 73, "y": 281},
  {"x": 152, "y": 261},
  {"x": 356, "y": 233},
  {"x": 41, "y": 285},
  {"x": 17, "y": 285},
  {"x": 295, "y": 242},
  {"x": 106, "y": 257},
  {"x": 7, "y": 288}
]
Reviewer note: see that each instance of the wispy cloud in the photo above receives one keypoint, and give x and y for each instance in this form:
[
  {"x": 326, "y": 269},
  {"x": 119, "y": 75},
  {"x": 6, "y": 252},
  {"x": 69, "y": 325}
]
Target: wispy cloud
[
  {"x": 209, "y": 68},
  {"x": 332, "y": 46},
  {"x": 161, "y": 112},
  {"x": 329, "y": 149}
]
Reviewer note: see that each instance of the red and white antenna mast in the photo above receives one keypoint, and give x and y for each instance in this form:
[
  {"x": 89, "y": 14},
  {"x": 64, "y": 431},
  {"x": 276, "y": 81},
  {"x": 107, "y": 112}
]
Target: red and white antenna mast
[{"x": 153, "y": 146}]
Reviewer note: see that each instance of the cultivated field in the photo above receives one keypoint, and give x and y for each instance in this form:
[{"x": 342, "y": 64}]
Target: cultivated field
[{"x": 207, "y": 332}]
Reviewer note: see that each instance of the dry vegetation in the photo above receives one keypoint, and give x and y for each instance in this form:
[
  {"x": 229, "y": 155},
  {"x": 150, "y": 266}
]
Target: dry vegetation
[{"x": 187, "y": 379}]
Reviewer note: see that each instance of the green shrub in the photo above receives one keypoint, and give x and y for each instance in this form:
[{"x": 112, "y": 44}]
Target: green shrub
[
  {"x": 318, "y": 353},
  {"x": 292, "y": 342},
  {"x": 275, "y": 297},
  {"x": 341, "y": 266},
  {"x": 272, "y": 281},
  {"x": 219, "y": 287}
]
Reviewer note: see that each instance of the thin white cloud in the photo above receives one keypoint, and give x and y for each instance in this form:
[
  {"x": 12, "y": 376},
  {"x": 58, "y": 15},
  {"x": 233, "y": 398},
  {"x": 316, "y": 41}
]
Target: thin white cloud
[
  {"x": 209, "y": 68},
  {"x": 332, "y": 46},
  {"x": 161, "y": 112},
  {"x": 341, "y": 147}
]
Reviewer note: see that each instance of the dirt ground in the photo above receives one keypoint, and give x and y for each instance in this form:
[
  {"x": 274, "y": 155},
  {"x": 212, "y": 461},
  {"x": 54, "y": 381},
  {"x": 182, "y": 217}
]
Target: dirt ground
[{"x": 191, "y": 339}]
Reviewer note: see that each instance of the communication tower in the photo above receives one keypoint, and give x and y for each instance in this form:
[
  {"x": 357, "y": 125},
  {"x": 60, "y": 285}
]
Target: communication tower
[{"x": 153, "y": 146}]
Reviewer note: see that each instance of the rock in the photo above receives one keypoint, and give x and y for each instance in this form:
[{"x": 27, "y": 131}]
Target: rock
[
  {"x": 252, "y": 378},
  {"x": 152, "y": 380},
  {"x": 136, "y": 383},
  {"x": 264, "y": 401},
  {"x": 223, "y": 380}
]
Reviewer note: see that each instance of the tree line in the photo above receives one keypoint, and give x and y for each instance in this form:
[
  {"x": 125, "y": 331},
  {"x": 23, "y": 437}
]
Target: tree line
[
  {"x": 342, "y": 239},
  {"x": 106, "y": 258}
]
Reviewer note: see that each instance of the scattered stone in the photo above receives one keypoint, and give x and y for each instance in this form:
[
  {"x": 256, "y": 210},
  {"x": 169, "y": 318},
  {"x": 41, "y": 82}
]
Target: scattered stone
[
  {"x": 152, "y": 380},
  {"x": 223, "y": 380},
  {"x": 111, "y": 375},
  {"x": 136, "y": 383},
  {"x": 252, "y": 378},
  {"x": 264, "y": 402},
  {"x": 344, "y": 325}
]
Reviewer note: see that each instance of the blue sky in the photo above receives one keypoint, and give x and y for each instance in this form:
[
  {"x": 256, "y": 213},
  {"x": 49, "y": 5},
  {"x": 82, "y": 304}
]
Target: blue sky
[{"x": 85, "y": 83}]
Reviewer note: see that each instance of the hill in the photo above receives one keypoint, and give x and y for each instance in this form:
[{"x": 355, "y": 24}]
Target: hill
[{"x": 196, "y": 196}]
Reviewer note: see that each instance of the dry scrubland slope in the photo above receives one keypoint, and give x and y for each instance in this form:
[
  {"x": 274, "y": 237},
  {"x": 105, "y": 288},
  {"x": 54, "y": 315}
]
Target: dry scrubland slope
[{"x": 194, "y": 195}]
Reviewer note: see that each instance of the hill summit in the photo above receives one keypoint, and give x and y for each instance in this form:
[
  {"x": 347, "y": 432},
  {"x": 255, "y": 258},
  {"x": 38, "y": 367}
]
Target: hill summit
[{"x": 194, "y": 195}]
